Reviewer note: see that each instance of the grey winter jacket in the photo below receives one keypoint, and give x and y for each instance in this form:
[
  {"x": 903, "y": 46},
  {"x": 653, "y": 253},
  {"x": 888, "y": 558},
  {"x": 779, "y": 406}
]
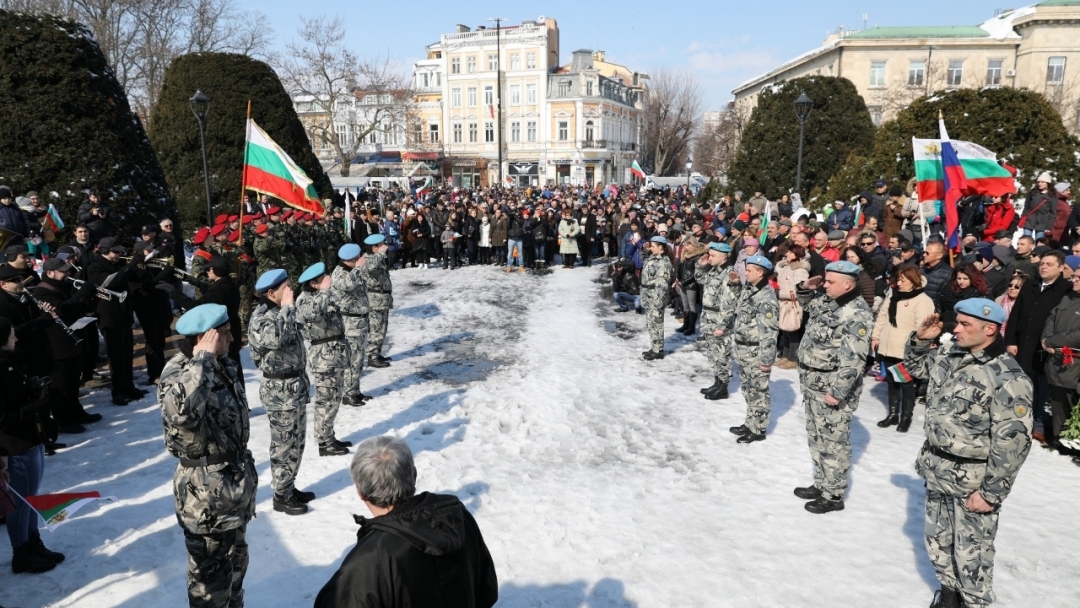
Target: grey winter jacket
[
  {"x": 1063, "y": 329},
  {"x": 936, "y": 279}
]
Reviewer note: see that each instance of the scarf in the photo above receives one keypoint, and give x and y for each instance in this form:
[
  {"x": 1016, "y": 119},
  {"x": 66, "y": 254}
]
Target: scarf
[{"x": 896, "y": 297}]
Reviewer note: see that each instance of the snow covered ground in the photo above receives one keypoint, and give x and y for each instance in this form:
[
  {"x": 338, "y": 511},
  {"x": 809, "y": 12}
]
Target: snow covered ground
[{"x": 598, "y": 479}]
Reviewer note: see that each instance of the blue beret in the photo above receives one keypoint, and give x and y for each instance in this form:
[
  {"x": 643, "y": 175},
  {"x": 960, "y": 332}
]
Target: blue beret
[
  {"x": 981, "y": 308},
  {"x": 312, "y": 272},
  {"x": 759, "y": 260},
  {"x": 721, "y": 247},
  {"x": 659, "y": 239},
  {"x": 1072, "y": 261},
  {"x": 349, "y": 251},
  {"x": 202, "y": 319},
  {"x": 374, "y": 239},
  {"x": 271, "y": 279},
  {"x": 844, "y": 267}
]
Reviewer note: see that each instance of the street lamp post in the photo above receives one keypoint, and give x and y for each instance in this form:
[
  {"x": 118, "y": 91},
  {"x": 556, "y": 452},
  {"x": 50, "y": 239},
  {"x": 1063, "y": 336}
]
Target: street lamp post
[
  {"x": 803, "y": 105},
  {"x": 498, "y": 92},
  {"x": 689, "y": 166},
  {"x": 200, "y": 106}
]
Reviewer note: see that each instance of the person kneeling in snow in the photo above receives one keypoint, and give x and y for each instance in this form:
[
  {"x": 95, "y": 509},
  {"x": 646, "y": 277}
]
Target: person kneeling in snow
[{"x": 417, "y": 550}]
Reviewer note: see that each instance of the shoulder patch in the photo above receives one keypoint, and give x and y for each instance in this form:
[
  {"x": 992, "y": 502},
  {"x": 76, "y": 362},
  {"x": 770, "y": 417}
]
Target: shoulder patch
[
  {"x": 1020, "y": 410},
  {"x": 768, "y": 315},
  {"x": 862, "y": 331}
]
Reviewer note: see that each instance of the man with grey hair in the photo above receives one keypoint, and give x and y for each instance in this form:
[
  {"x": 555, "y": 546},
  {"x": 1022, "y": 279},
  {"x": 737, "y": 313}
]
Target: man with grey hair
[{"x": 418, "y": 549}]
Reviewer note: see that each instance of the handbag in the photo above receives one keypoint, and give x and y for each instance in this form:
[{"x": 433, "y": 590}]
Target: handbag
[{"x": 791, "y": 315}]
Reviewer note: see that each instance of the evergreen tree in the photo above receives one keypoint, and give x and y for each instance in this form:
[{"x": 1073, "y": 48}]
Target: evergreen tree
[
  {"x": 838, "y": 125},
  {"x": 66, "y": 127},
  {"x": 230, "y": 81}
]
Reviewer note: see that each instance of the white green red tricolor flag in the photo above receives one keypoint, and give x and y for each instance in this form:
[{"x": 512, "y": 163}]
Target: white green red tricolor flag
[
  {"x": 52, "y": 220},
  {"x": 900, "y": 374},
  {"x": 425, "y": 189},
  {"x": 57, "y": 509},
  {"x": 635, "y": 170},
  {"x": 269, "y": 170}
]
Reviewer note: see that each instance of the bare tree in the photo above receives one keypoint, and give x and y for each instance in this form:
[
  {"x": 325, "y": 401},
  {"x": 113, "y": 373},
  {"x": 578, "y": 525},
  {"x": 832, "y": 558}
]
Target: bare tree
[
  {"x": 672, "y": 109},
  {"x": 344, "y": 99},
  {"x": 715, "y": 146}
]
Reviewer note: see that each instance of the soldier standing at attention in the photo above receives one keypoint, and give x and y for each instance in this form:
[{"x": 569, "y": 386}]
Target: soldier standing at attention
[
  {"x": 278, "y": 349},
  {"x": 757, "y": 325},
  {"x": 351, "y": 298},
  {"x": 832, "y": 357},
  {"x": 380, "y": 292},
  {"x": 716, "y": 296},
  {"x": 205, "y": 415},
  {"x": 655, "y": 285},
  {"x": 320, "y": 324},
  {"x": 978, "y": 434}
]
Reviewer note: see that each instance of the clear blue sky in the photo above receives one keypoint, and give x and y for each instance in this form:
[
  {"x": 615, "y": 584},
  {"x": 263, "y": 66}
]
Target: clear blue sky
[{"x": 724, "y": 45}]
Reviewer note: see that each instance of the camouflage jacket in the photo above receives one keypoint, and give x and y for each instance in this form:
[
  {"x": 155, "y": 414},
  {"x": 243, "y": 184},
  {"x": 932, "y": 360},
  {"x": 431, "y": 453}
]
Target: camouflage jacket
[
  {"x": 349, "y": 290},
  {"x": 717, "y": 295},
  {"x": 275, "y": 341},
  {"x": 836, "y": 343},
  {"x": 267, "y": 253},
  {"x": 377, "y": 280},
  {"x": 204, "y": 412},
  {"x": 321, "y": 325},
  {"x": 655, "y": 281},
  {"x": 978, "y": 406},
  {"x": 757, "y": 319}
]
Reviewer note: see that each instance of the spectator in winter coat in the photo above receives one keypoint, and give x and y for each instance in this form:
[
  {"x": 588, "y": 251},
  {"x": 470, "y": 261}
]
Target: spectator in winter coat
[
  {"x": 841, "y": 218},
  {"x": 1040, "y": 210},
  {"x": 417, "y": 549},
  {"x": 97, "y": 215},
  {"x": 871, "y": 208},
  {"x": 11, "y": 217},
  {"x": 1059, "y": 230},
  {"x": 935, "y": 271},
  {"x": 626, "y": 286},
  {"x": 865, "y": 280},
  {"x": 892, "y": 215},
  {"x": 757, "y": 203},
  {"x": 966, "y": 282},
  {"x": 879, "y": 199},
  {"x": 999, "y": 215},
  {"x": 1062, "y": 330}
]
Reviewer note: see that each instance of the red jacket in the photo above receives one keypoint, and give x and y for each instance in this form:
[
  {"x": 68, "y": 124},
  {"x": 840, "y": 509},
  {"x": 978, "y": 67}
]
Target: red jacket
[
  {"x": 998, "y": 217},
  {"x": 1061, "y": 220}
]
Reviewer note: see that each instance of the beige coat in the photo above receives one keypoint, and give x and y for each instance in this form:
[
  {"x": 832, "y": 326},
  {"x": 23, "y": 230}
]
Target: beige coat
[{"x": 909, "y": 314}]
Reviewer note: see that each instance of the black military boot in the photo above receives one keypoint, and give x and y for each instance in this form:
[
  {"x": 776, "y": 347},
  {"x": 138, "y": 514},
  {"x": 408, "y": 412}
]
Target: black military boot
[
  {"x": 344, "y": 444},
  {"x": 947, "y": 598},
  {"x": 718, "y": 394},
  {"x": 894, "y": 409},
  {"x": 711, "y": 387},
  {"x": 691, "y": 324},
  {"x": 685, "y": 322},
  {"x": 739, "y": 430},
  {"x": 24, "y": 559},
  {"x": 38, "y": 547},
  {"x": 824, "y": 505},
  {"x": 354, "y": 400},
  {"x": 652, "y": 356},
  {"x": 304, "y": 497},
  {"x": 750, "y": 438},
  {"x": 811, "y": 493},
  {"x": 289, "y": 505},
  {"x": 376, "y": 362},
  {"x": 332, "y": 449},
  {"x": 907, "y": 404}
]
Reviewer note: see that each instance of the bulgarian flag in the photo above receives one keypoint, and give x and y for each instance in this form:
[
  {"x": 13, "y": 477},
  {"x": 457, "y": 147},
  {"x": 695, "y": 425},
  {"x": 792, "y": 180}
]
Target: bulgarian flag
[
  {"x": 900, "y": 374},
  {"x": 52, "y": 220},
  {"x": 425, "y": 189},
  {"x": 269, "y": 170},
  {"x": 635, "y": 170},
  {"x": 56, "y": 509}
]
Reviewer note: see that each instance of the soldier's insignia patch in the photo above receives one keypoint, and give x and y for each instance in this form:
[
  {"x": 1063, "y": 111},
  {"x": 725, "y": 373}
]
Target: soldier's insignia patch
[
  {"x": 986, "y": 311},
  {"x": 768, "y": 315},
  {"x": 862, "y": 331},
  {"x": 1020, "y": 410}
]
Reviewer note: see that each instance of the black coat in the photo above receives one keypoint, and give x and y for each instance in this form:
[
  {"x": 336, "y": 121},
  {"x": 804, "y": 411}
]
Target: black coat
[
  {"x": 19, "y": 419},
  {"x": 100, "y": 227},
  {"x": 113, "y": 313},
  {"x": 71, "y": 305},
  {"x": 1029, "y": 315},
  {"x": 223, "y": 291},
  {"x": 34, "y": 353},
  {"x": 427, "y": 552}
]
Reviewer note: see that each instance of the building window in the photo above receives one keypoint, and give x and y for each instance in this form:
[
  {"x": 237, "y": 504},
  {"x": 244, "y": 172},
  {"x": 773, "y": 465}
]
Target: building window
[
  {"x": 424, "y": 80},
  {"x": 564, "y": 88},
  {"x": 433, "y": 134},
  {"x": 457, "y": 133},
  {"x": 589, "y": 88},
  {"x": 993, "y": 72},
  {"x": 493, "y": 62},
  {"x": 530, "y": 61},
  {"x": 515, "y": 131},
  {"x": 438, "y": 79},
  {"x": 417, "y": 133},
  {"x": 877, "y": 73},
  {"x": 530, "y": 130},
  {"x": 588, "y": 130},
  {"x": 1055, "y": 70},
  {"x": 515, "y": 94},
  {"x": 472, "y": 97},
  {"x": 564, "y": 130},
  {"x": 489, "y": 95},
  {"x": 955, "y": 76},
  {"x": 875, "y": 115},
  {"x": 530, "y": 94},
  {"x": 455, "y": 97},
  {"x": 341, "y": 134},
  {"x": 489, "y": 132},
  {"x": 916, "y": 74},
  {"x": 455, "y": 65},
  {"x": 515, "y": 61},
  {"x": 472, "y": 132},
  {"x": 470, "y": 64}
]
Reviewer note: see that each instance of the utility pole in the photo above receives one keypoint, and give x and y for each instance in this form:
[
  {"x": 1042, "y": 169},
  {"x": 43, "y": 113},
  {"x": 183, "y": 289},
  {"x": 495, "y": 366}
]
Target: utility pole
[{"x": 498, "y": 93}]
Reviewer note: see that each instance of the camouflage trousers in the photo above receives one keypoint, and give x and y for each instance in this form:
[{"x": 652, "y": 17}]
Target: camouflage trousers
[
  {"x": 828, "y": 432},
  {"x": 377, "y": 320},
  {"x": 247, "y": 300},
  {"x": 286, "y": 410},
  {"x": 718, "y": 350},
  {"x": 356, "y": 334},
  {"x": 654, "y": 321},
  {"x": 327, "y": 401},
  {"x": 755, "y": 389},
  {"x": 217, "y": 564},
  {"x": 960, "y": 544}
]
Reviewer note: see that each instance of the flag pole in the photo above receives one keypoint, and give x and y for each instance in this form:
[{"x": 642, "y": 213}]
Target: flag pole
[{"x": 243, "y": 172}]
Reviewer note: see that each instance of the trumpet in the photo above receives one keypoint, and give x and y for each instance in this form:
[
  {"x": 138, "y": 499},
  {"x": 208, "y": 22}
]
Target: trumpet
[
  {"x": 104, "y": 294},
  {"x": 158, "y": 263}
]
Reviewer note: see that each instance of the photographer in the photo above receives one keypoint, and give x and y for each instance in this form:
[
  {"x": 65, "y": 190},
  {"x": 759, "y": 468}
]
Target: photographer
[{"x": 97, "y": 216}]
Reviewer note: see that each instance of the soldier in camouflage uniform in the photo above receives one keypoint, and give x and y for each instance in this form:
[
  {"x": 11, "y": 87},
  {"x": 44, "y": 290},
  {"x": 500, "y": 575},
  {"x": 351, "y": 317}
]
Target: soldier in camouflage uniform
[
  {"x": 335, "y": 236},
  {"x": 756, "y": 327},
  {"x": 655, "y": 287},
  {"x": 291, "y": 246},
  {"x": 267, "y": 253},
  {"x": 832, "y": 357},
  {"x": 350, "y": 296},
  {"x": 717, "y": 296},
  {"x": 200, "y": 257},
  {"x": 278, "y": 349},
  {"x": 380, "y": 292},
  {"x": 978, "y": 434},
  {"x": 204, "y": 412}
]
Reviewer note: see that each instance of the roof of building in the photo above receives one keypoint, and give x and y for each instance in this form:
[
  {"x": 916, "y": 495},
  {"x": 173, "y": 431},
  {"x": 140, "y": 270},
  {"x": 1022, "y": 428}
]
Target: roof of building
[
  {"x": 1059, "y": 3},
  {"x": 931, "y": 31}
]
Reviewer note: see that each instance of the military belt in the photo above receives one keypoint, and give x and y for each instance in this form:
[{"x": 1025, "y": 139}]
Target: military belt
[
  {"x": 814, "y": 369},
  {"x": 377, "y": 291},
  {"x": 711, "y": 308},
  {"x": 940, "y": 453},
  {"x": 213, "y": 459},
  {"x": 747, "y": 343},
  {"x": 353, "y": 314},
  {"x": 329, "y": 339},
  {"x": 283, "y": 375}
]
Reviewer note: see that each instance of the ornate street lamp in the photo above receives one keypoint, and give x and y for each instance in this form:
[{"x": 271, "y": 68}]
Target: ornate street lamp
[
  {"x": 803, "y": 105},
  {"x": 689, "y": 166},
  {"x": 200, "y": 106}
]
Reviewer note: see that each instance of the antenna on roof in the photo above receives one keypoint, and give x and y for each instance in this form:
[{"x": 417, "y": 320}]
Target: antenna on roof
[{"x": 865, "y": 18}]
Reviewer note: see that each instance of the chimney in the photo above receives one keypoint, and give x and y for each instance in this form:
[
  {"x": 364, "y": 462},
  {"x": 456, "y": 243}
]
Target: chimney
[{"x": 461, "y": 29}]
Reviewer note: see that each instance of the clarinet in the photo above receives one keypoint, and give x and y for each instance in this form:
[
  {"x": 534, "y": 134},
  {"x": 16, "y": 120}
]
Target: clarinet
[{"x": 64, "y": 326}]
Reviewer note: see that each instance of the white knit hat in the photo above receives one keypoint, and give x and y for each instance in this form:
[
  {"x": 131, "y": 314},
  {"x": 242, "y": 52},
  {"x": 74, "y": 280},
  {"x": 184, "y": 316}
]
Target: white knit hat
[{"x": 1045, "y": 177}]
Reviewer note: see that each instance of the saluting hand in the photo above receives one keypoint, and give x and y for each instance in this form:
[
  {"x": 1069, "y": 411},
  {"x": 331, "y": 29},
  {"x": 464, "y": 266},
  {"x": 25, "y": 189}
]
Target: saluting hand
[
  {"x": 286, "y": 295},
  {"x": 930, "y": 328},
  {"x": 812, "y": 283},
  {"x": 207, "y": 342}
]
